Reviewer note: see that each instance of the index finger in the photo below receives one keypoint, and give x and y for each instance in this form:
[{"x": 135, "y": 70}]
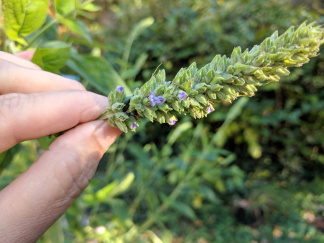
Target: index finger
[
  {"x": 24, "y": 117},
  {"x": 21, "y": 59},
  {"x": 18, "y": 79},
  {"x": 27, "y": 55}
]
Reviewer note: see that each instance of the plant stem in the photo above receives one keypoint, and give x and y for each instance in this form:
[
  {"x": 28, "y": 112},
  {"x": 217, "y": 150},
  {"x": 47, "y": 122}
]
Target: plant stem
[
  {"x": 174, "y": 194},
  {"x": 40, "y": 32}
]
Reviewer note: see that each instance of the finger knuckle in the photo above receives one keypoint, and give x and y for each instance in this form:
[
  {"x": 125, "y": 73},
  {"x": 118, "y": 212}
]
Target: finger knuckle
[
  {"x": 11, "y": 106},
  {"x": 71, "y": 175},
  {"x": 79, "y": 86},
  {"x": 15, "y": 101}
]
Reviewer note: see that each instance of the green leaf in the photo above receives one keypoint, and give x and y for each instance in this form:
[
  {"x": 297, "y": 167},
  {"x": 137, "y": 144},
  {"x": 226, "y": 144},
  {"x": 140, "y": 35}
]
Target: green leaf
[
  {"x": 6, "y": 157},
  {"x": 90, "y": 7},
  {"x": 177, "y": 132},
  {"x": 106, "y": 192},
  {"x": 119, "y": 208},
  {"x": 3, "y": 163},
  {"x": 23, "y": 17},
  {"x": 209, "y": 194},
  {"x": 76, "y": 26},
  {"x": 55, "y": 233},
  {"x": 98, "y": 72},
  {"x": 45, "y": 142},
  {"x": 182, "y": 208},
  {"x": 37, "y": 58},
  {"x": 65, "y": 7},
  {"x": 52, "y": 56},
  {"x": 133, "y": 71},
  {"x": 136, "y": 31},
  {"x": 124, "y": 184},
  {"x": 220, "y": 137},
  {"x": 115, "y": 188}
]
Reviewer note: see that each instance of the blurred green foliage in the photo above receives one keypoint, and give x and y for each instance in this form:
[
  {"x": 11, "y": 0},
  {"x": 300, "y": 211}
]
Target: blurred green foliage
[{"x": 250, "y": 172}]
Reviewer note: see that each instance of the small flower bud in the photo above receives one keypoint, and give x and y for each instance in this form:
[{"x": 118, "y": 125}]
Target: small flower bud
[
  {"x": 172, "y": 122},
  {"x": 159, "y": 100},
  {"x": 120, "y": 89},
  {"x": 151, "y": 98},
  {"x": 133, "y": 125},
  {"x": 209, "y": 110},
  {"x": 182, "y": 95}
]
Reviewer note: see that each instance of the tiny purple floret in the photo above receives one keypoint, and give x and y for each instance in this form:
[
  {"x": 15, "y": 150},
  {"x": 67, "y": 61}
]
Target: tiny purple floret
[
  {"x": 120, "y": 89},
  {"x": 182, "y": 95},
  {"x": 209, "y": 110},
  {"x": 160, "y": 99},
  {"x": 155, "y": 100},
  {"x": 152, "y": 98},
  {"x": 133, "y": 125},
  {"x": 172, "y": 122}
]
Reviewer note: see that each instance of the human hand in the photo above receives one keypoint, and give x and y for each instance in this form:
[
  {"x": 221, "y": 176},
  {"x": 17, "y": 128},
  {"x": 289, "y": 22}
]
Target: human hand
[{"x": 33, "y": 104}]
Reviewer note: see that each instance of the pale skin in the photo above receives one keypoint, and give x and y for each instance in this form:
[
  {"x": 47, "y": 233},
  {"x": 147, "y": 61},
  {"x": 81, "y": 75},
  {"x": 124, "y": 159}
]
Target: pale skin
[{"x": 33, "y": 104}]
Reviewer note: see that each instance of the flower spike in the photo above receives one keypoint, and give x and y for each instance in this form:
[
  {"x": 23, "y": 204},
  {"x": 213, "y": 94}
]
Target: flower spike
[{"x": 192, "y": 91}]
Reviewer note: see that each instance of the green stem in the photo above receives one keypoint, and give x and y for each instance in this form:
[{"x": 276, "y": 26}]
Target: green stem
[
  {"x": 175, "y": 193},
  {"x": 40, "y": 32}
]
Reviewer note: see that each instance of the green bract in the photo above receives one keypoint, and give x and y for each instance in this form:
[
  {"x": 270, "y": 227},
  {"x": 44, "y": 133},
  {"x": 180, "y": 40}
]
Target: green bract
[{"x": 195, "y": 91}]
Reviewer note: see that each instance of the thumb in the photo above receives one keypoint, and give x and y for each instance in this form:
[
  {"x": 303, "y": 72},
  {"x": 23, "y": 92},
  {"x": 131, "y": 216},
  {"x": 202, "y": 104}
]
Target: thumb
[{"x": 39, "y": 196}]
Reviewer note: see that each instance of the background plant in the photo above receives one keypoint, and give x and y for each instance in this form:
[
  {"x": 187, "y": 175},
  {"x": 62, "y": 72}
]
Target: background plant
[{"x": 251, "y": 171}]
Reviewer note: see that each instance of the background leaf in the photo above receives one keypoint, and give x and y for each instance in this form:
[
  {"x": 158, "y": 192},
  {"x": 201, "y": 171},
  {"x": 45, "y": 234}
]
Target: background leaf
[
  {"x": 23, "y": 17},
  {"x": 37, "y": 58},
  {"x": 76, "y": 26},
  {"x": 52, "y": 56},
  {"x": 136, "y": 31},
  {"x": 65, "y": 7},
  {"x": 182, "y": 208},
  {"x": 98, "y": 72}
]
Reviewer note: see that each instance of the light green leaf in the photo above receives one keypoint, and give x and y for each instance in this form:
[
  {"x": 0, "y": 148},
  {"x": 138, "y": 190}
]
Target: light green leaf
[
  {"x": 133, "y": 71},
  {"x": 98, "y": 72},
  {"x": 23, "y": 17},
  {"x": 178, "y": 131},
  {"x": 45, "y": 142},
  {"x": 37, "y": 58},
  {"x": 55, "y": 233},
  {"x": 119, "y": 208},
  {"x": 76, "y": 26},
  {"x": 220, "y": 137},
  {"x": 52, "y": 56},
  {"x": 106, "y": 192},
  {"x": 124, "y": 184},
  {"x": 90, "y": 7},
  {"x": 64, "y": 7},
  {"x": 114, "y": 189},
  {"x": 136, "y": 31}
]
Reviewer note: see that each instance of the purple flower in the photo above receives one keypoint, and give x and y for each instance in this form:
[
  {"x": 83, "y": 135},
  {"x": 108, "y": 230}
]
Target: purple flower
[
  {"x": 160, "y": 99},
  {"x": 155, "y": 100},
  {"x": 133, "y": 125},
  {"x": 152, "y": 98},
  {"x": 209, "y": 109},
  {"x": 120, "y": 89},
  {"x": 182, "y": 95},
  {"x": 172, "y": 122}
]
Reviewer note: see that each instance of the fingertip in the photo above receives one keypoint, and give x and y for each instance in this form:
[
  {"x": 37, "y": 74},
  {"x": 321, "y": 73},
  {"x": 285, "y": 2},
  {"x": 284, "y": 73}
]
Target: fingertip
[
  {"x": 27, "y": 55},
  {"x": 91, "y": 136},
  {"x": 20, "y": 59},
  {"x": 74, "y": 85},
  {"x": 105, "y": 134}
]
